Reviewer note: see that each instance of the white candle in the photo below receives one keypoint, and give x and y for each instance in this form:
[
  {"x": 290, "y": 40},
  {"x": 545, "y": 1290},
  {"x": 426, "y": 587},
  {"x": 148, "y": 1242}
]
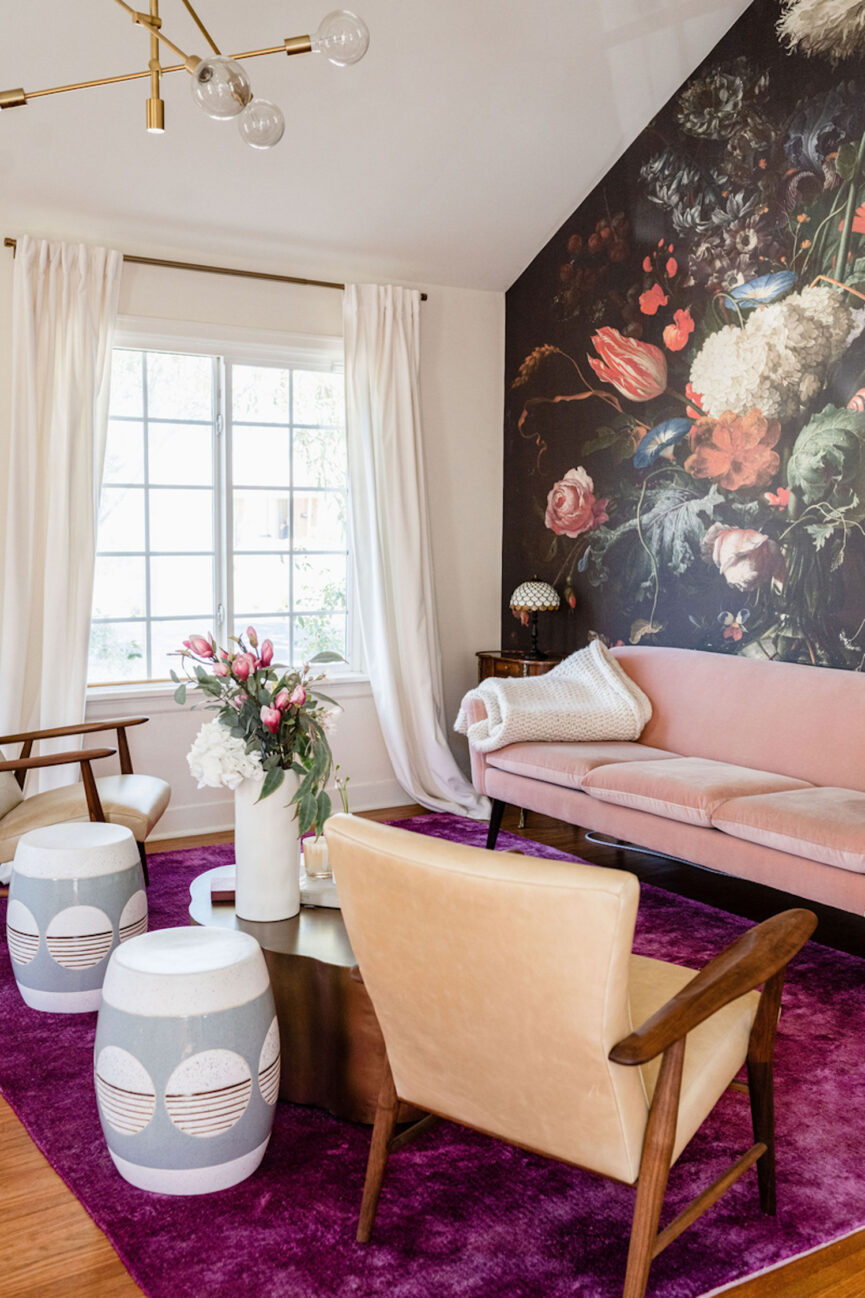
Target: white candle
[{"x": 315, "y": 858}]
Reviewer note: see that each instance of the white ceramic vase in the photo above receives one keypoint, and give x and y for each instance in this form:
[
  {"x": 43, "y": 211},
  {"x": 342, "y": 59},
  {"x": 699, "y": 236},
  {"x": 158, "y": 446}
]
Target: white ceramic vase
[{"x": 266, "y": 852}]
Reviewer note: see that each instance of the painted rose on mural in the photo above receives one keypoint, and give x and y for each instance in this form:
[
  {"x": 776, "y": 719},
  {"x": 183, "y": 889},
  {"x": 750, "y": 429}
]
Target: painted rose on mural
[
  {"x": 746, "y": 559},
  {"x": 703, "y": 365},
  {"x": 571, "y": 505}
]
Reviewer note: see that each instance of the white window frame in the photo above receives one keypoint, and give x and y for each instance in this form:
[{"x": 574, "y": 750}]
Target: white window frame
[{"x": 237, "y": 345}]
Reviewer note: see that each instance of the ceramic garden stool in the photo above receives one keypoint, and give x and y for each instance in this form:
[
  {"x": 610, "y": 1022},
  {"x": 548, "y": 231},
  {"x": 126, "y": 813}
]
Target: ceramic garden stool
[
  {"x": 187, "y": 1059},
  {"x": 76, "y": 891}
]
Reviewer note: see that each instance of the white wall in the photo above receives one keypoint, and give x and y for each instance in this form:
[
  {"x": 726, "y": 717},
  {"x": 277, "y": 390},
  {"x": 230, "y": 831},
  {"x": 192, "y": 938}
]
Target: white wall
[{"x": 462, "y": 385}]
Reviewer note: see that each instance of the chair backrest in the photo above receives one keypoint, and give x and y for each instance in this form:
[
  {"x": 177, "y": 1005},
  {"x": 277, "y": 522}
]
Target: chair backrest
[{"x": 501, "y": 983}]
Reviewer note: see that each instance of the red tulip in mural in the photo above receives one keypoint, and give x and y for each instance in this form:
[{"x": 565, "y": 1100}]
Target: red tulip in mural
[
  {"x": 638, "y": 370},
  {"x": 694, "y": 406}
]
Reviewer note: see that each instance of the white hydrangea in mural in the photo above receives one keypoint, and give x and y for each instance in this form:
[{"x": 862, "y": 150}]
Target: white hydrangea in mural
[
  {"x": 832, "y": 27},
  {"x": 778, "y": 361}
]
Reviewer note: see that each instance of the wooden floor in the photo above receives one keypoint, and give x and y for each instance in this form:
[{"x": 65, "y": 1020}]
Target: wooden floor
[{"x": 49, "y": 1245}]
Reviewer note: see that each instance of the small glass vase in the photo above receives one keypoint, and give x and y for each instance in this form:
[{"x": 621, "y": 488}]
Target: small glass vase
[{"x": 266, "y": 852}]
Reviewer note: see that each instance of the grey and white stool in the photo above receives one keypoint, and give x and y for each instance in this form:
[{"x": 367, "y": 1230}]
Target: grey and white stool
[
  {"x": 187, "y": 1059},
  {"x": 76, "y": 892}
]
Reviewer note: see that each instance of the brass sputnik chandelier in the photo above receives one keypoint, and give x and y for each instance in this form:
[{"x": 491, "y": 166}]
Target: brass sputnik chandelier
[{"x": 219, "y": 84}]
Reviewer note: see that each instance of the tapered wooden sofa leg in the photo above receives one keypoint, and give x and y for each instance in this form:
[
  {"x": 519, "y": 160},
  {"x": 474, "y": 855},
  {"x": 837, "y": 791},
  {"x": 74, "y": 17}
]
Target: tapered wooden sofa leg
[
  {"x": 382, "y": 1131},
  {"x": 495, "y": 823},
  {"x": 143, "y": 858},
  {"x": 654, "y": 1170}
]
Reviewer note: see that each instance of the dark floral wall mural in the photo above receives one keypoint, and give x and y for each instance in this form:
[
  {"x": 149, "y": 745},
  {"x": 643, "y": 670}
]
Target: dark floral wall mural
[{"x": 685, "y": 410}]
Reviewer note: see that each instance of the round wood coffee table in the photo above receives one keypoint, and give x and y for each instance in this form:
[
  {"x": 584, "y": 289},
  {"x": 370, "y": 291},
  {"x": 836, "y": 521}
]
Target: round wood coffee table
[{"x": 331, "y": 1043}]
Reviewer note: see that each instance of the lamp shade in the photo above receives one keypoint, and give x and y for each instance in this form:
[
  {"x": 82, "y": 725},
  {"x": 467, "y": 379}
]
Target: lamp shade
[{"x": 535, "y": 595}]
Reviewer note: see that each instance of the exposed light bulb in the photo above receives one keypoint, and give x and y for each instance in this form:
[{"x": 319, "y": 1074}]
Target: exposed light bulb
[
  {"x": 261, "y": 124},
  {"x": 342, "y": 37},
  {"x": 221, "y": 87}
]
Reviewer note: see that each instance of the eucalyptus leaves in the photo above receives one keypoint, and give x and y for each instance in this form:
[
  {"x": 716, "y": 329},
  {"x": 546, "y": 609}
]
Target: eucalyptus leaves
[{"x": 276, "y": 721}]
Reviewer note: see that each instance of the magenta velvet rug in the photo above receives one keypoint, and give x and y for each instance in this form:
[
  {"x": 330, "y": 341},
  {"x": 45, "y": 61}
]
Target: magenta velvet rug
[{"x": 462, "y": 1214}]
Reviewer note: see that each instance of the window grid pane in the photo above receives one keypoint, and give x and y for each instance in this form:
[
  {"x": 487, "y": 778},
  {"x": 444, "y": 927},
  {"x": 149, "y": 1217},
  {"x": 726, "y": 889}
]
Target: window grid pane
[
  {"x": 254, "y": 528},
  {"x": 167, "y": 535},
  {"x": 289, "y": 508}
]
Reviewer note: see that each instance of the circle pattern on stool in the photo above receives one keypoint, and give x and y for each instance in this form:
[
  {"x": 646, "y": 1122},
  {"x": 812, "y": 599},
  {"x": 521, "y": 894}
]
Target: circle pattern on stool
[
  {"x": 22, "y": 932},
  {"x": 268, "y": 1065},
  {"x": 133, "y": 917},
  {"x": 79, "y": 937},
  {"x": 209, "y": 1092},
  {"x": 124, "y": 1091}
]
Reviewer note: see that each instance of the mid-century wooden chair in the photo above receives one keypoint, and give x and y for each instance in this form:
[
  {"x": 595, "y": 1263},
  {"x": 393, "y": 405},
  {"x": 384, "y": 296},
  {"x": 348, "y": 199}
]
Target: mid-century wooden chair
[
  {"x": 136, "y": 801},
  {"x": 510, "y": 1002}
]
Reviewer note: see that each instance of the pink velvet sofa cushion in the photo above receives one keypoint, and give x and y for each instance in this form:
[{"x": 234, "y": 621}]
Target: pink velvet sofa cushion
[
  {"x": 826, "y": 825},
  {"x": 567, "y": 764},
  {"x": 682, "y": 788}
]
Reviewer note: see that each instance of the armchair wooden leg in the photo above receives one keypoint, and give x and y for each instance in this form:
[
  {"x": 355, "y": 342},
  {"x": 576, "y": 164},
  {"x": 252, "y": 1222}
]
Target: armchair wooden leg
[
  {"x": 495, "y": 823},
  {"x": 654, "y": 1170},
  {"x": 761, "y": 1049},
  {"x": 143, "y": 857},
  {"x": 385, "y": 1121},
  {"x": 763, "y": 1117}
]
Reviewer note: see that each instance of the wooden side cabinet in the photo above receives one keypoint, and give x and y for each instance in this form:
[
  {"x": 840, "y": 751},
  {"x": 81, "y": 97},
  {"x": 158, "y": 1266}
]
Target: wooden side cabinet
[{"x": 500, "y": 662}]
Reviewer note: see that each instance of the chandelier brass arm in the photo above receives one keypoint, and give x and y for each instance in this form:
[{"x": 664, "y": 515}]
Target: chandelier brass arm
[
  {"x": 201, "y": 27},
  {"x": 153, "y": 23},
  {"x": 17, "y": 98},
  {"x": 219, "y": 83}
]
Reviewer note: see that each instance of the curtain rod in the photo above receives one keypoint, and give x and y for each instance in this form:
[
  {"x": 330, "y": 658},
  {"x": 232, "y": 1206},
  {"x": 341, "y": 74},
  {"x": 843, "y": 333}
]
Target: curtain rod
[{"x": 218, "y": 270}]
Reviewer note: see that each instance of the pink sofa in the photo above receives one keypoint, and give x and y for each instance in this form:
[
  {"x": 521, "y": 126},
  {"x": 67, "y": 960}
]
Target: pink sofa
[{"x": 750, "y": 767}]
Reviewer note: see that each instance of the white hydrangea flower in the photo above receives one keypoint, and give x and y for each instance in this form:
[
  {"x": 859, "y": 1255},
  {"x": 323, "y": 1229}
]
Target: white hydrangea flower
[
  {"x": 217, "y": 759},
  {"x": 778, "y": 361},
  {"x": 832, "y": 27}
]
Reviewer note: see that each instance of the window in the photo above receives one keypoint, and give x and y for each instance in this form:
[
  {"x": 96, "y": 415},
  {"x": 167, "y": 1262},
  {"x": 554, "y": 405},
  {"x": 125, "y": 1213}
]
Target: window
[{"x": 224, "y": 503}]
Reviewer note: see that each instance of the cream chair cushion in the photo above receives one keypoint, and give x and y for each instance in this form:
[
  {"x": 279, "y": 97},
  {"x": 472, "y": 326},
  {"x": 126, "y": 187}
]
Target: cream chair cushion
[
  {"x": 714, "y": 1053},
  {"x": 136, "y": 801},
  {"x": 10, "y": 793}
]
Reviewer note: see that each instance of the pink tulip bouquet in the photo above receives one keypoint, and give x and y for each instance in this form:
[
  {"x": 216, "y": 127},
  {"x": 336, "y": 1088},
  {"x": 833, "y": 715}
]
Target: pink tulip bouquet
[{"x": 272, "y": 709}]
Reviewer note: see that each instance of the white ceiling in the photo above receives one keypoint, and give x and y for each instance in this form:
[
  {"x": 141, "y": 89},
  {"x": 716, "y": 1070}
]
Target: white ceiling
[{"x": 449, "y": 155}]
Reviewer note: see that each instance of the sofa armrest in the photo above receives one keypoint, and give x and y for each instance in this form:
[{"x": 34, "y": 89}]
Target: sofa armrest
[{"x": 475, "y": 711}]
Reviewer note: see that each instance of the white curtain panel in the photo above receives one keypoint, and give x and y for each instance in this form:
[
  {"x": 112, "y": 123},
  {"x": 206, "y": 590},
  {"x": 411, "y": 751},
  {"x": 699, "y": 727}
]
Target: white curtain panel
[
  {"x": 64, "y": 305},
  {"x": 393, "y": 582}
]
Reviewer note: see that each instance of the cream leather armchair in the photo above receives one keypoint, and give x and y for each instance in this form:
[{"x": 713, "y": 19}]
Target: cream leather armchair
[
  {"x": 136, "y": 801},
  {"x": 510, "y": 1001}
]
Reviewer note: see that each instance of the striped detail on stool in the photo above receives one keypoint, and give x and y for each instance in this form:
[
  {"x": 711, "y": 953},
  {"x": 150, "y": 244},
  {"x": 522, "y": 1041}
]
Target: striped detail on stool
[
  {"x": 126, "y": 1111},
  {"x": 22, "y": 946},
  {"x": 80, "y": 952},
  {"x": 132, "y": 930},
  {"x": 207, "y": 1113},
  {"x": 268, "y": 1081}
]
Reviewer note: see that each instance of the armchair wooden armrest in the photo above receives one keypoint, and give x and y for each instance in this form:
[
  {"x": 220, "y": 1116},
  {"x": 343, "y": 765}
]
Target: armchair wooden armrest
[
  {"x": 56, "y": 759},
  {"x": 84, "y": 728},
  {"x": 85, "y": 756},
  {"x": 753, "y": 959},
  {"x": 28, "y": 738}
]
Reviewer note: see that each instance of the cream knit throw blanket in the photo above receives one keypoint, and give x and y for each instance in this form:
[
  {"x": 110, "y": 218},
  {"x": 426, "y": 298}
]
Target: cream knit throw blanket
[{"x": 586, "y": 698}]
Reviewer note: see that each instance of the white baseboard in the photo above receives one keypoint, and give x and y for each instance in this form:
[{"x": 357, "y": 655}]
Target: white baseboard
[{"x": 215, "y": 815}]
